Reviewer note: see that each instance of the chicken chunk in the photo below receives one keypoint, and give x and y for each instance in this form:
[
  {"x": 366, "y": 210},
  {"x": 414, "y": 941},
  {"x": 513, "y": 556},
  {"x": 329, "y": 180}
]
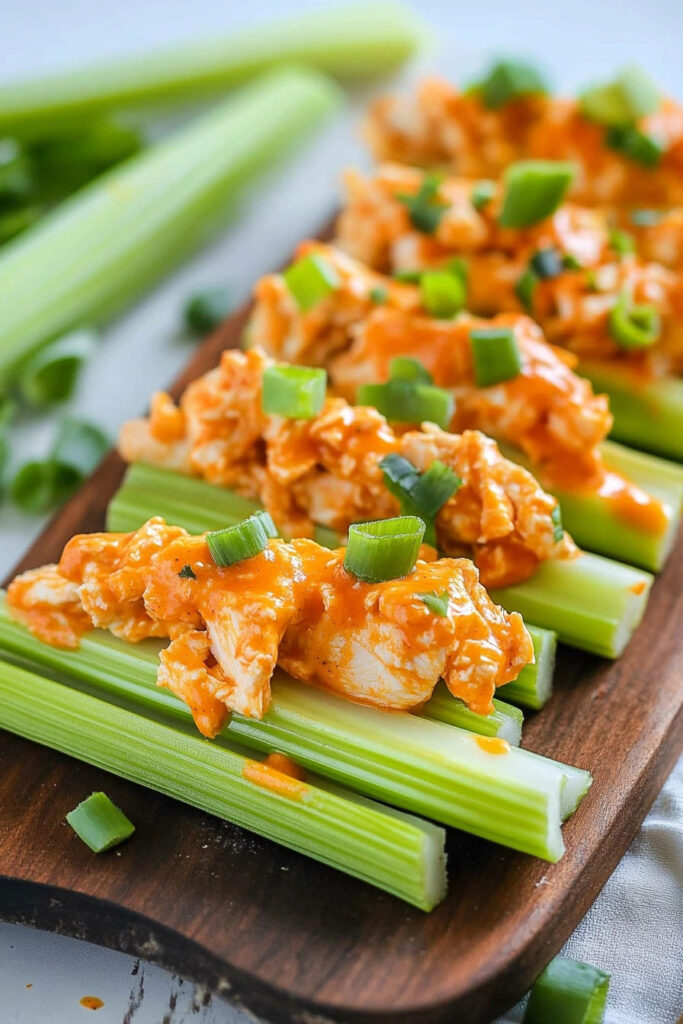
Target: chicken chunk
[{"x": 49, "y": 605}]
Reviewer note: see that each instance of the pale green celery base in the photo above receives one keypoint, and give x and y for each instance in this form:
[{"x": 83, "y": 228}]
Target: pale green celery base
[
  {"x": 396, "y": 852},
  {"x": 505, "y": 722},
  {"x": 420, "y": 765},
  {"x": 568, "y": 992},
  {"x": 589, "y": 601},
  {"x": 593, "y": 521},
  {"x": 647, "y": 414},
  {"x": 533, "y": 687}
]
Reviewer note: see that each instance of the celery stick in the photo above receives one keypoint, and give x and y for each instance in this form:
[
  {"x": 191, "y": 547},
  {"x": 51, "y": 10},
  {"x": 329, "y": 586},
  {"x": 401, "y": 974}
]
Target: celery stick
[
  {"x": 514, "y": 798},
  {"x": 350, "y": 41},
  {"x": 533, "y": 686},
  {"x": 589, "y": 601},
  {"x": 648, "y": 414},
  {"x": 568, "y": 992},
  {"x": 593, "y": 521},
  {"x": 106, "y": 244},
  {"x": 505, "y": 721},
  {"x": 394, "y": 851}
]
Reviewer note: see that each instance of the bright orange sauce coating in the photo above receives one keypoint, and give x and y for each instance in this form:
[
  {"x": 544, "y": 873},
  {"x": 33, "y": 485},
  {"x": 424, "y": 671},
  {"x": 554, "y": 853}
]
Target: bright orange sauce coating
[
  {"x": 91, "y": 1003},
  {"x": 493, "y": 744},
  {"x": 263, "y": 774}
]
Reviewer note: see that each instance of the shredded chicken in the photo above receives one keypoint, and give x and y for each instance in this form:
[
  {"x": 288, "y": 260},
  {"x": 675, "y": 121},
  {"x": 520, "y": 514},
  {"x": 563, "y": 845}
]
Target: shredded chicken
[
  {"x": 326, "y": 470},
  {"x": 293, "y": 604},
  {"x": 573, "y": 307},
  {"x": 438, "y": 126}
]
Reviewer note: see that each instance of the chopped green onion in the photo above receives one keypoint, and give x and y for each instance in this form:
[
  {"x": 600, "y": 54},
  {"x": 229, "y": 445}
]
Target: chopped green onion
[
  {"x": 525, "y": 287},
  {"x": 495, "y": 355},
  {"x": 437, "y": 603},
  {"x": 266, "y": 521},
  {"x": 50, "y": 375},
  {"x": 533, "y": 191},
  {"x": 630, "y": 96},
  {"x": 407, "y": 276},
  {"x": 406, "y": 368},
  {"x": 378, "y": 295},
  {"x": 206, "y": 310},
  {"x": 100, "y": 823},
  {"x": 568, "y": 992},
  {"x": 405, "y": 401},
  {"x": 570, "y": 262},
  {"x": 645, "y": 218},
  {"x": 236, "y": 543},
  {"x": 546, "y": 263},
  {"x": 79, "y": 445},
  {"x": 636, "y": 145},
  {"x": 442, "y": 293},
  {"x": 297, "y": 392},
  {"x": 310, "y": 280},
  {"x": 420, "y": 494},
  {"x": 187, "y": 573},
  {"x": 558, "y": 529},
  {"x": 424, "y": 209},
  {"x": 482, "y": 193},
  {"x": 41, "y": 485},
  {"x": 385, "y": 549},
  {"x": 622, "y": 242},
  {"x": 510, "y": 80},
  {"x": 633, "y": 326},
  {"x": 458, "y": 265}
]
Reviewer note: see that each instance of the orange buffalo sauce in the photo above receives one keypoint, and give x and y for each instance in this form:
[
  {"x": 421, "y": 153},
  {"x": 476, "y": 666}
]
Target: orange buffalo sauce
[
  {"x": 263, "y": 773},
  {"x": 493, "y": 744},
  {"x": 632, "y": 505},
  {"x": 91, "y": 1003}
]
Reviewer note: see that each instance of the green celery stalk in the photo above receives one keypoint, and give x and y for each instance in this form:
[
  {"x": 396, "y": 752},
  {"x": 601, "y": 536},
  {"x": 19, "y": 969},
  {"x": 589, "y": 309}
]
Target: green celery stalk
[
  {"x": 350, "y": 41},
  {"x": 595, "y": 526},
  {"x": 568, "y": 992},
  {"x": 648, "y": 414},
  {"x": 514, "y": 798},
  {"x": 505, "y": 721},
  {"x": 394, "y": 851},
  {"x": 107, "y": 243},
  {"x": 589, "y": 601},
  {"x": 533, "y": 686},
  {"x": 148, "y": 491}
]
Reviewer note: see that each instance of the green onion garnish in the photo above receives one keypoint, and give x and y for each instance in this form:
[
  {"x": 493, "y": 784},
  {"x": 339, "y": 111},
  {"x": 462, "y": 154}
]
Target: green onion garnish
[
  {"x": 378, "y": 295},
  {"x": 437, "y": 603},
  {"x": 442, "y": 293},
  {"x": 645, "y": 218},
  {"x": 187, "y": 573},
  {"x": 622, "y": 242},
  {"x": 406, "y": 368},
  {"x": 100, "y": 823},
  {"x": 424, "y": 209},
  {"x": 482, "y": 193},
  {"x": 546, "y": 263},
  {"x": 238, "y": 542},
  {"x": 420, "y": 494},
  {"x": 533, "y": 191},
  {"x": 386, "y": 549},
  {"x": 407, "y": 276},
  {"x": 50, "y": 375},
  {"x": 525, "y": 287},
  {"x": 405, "y": 401},
  {"x": 510, "y": 80},
  {"x": 206, "y": 310},
  {"x": 635, "y": 145},
  {"x": 633, "y": 327},
  {"x": 41, "y": 485},
  {"x": 495, "y": 355},
  {"x": 630, "y": 96},
  {"x": 568, "y": 992},
  {"x": 266, "y": 520},
  {"x": 556, "y": 518},
  {"x": 310, "y": 280},
  {"x": 570, "y": 262},
  {"x": 297, "y": 392}
]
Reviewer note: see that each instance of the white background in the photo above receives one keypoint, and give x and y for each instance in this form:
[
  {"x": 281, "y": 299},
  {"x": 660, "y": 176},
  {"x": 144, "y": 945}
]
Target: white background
[{"x": 145, "y": 348}]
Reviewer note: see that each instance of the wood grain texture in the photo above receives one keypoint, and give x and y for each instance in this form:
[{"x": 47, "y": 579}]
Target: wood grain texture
[{"x": 295, "y": 941}]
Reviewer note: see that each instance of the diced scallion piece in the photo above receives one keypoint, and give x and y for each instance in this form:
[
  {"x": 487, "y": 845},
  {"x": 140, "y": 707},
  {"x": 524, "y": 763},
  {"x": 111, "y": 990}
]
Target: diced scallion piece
[
  {"x": 568, "y": 992},
  {"x": 206, "y": 310},
  {"x": 378, "y": 295},
  {"x": 297, "y": 392},
  {"x": 510, "y": 80},
  {"x": 525, "y": 288},
  {"x": 630, "y": 96},
  {"x": 406, "y": 368},
  {"x": 495, "y": 355},
  {"x": 100, "y": 823},
  {"x": 442, "y": 293},
  {"x": 42, "y": 484},
  {"x": 243, "y": 540},
  {"x": 310, "y": 280},
  {"x": 635, "y": 145},
  {"x": 420, "y": 494},
  {"x": 546, "y": 263},
  {"x": 385, "y": 549},
  {"x": 187, "y": 573},
  {"x": 407, "y": 401},
  {"x": 407, "y": 276},
  {"x": 51, "y": 374},
  {"x": 533, "y": 189},
  {"x": 556, "y": 517},
  {"x": 634, "y": 326},
  {"x": 622, "y": 242},
  {"x": 424, "y": 207},
  {"x": 482, "y": 193},
  {"x": 437, "y": 603},
  {"x": 570, "y": 262}
]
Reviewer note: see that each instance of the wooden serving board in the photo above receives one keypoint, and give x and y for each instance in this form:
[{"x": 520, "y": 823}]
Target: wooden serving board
[{"x": 293, "y": 940}]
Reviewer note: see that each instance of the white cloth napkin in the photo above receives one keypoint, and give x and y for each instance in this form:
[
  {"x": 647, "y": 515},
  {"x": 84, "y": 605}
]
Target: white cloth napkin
[{"x": 634, "y": 929}]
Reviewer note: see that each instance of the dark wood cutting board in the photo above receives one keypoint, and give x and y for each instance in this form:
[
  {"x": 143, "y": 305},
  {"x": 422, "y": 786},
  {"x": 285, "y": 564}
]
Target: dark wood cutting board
[{"x": 292, "y": 940}]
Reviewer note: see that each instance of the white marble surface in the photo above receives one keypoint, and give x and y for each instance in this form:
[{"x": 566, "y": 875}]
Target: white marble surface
[{"x": 144, "y": 348}]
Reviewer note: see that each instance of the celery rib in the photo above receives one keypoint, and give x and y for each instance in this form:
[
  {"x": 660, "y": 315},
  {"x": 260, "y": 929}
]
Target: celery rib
[
  {"x": 533, "y": 686},
  {"x": 110, "y": 241},
  {"x": 391, "y": 850},
  {"x": 515, "y": 798},
  {"x": 568, "y": 992}
]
